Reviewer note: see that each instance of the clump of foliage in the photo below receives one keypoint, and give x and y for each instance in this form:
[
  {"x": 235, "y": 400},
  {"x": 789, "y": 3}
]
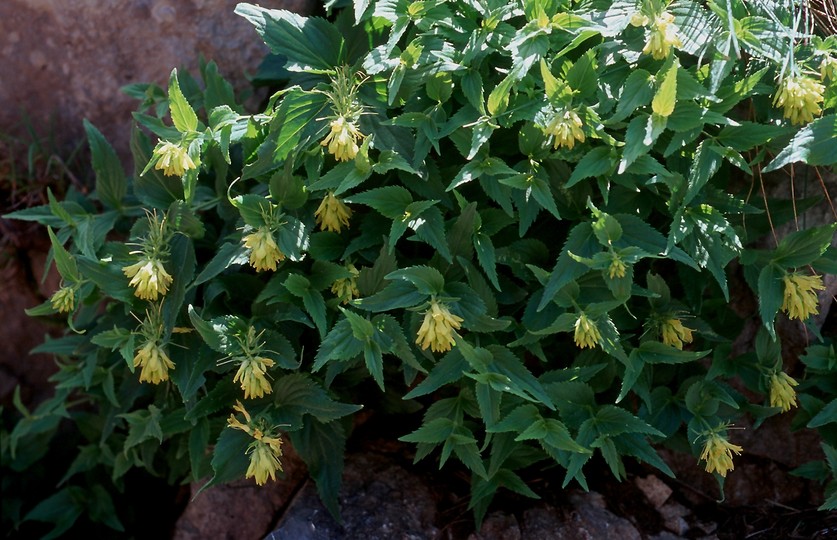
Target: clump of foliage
[{"x": 517, "y": 217}]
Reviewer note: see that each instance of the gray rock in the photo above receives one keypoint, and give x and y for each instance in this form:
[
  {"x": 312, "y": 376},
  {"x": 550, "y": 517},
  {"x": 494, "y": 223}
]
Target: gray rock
[
  {"x": 588, "y": 519},
  {"x": 379, "y": 500}
]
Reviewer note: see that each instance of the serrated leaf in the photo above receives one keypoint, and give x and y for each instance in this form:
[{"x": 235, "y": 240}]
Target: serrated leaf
[
  {"x": 654, "y": 352},
  {"x": 771, "y": 294},
  {"x": 596, "y": 162},
  {"x": 111, "y": 183},
  {"x": 827, "y": 415},
  {"x": 426, "y": 279},
  {"x": 637, "y": 92},
  {"x": 65, "y": 262},
  {"x": 307, "y": 43},
  {"x": 804, "y": 247},
  {"x": 666, "y": 96},
  {"x": 322, "y": 446},
  {"x": 182, "y": 114},
  {"x": 297, "y": 394}
]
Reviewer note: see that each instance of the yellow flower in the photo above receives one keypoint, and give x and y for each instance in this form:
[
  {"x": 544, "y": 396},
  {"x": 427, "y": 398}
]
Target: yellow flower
[
  {"x": 346, "y": 288},
  {"x": 155, "y": 363},
  {"x": 63, "y": 300},
  {"x": 674, "y": 333},
  {"x": 617, "y": 268},
  {"x": 436, "y": 330},
  {"x": 662, "y": 36},
  {"x": 174, "y": 159},
  {"x": 264, "y": 253},
  {"x": 332, "y": 215},
  {"x": 264, "y": 451},
  {"x": 586, "y": 332},
  {"x": 264, "y": 462},
  {"x": 800, "y": 300},
  {"x": 149, "y": 277},
  {"x": 800, "y": 96},
  {"x": 565, "y": 127},
  {"x": 782, "y": 393},
  {"x": 251, "y": 373},
  {"x": 342, "y": 139},
  {"x": 717, "y": 452},
  {"x": 828, "y": 68}
]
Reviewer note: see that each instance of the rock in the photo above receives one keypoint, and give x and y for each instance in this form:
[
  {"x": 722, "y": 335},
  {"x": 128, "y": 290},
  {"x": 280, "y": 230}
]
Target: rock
[
  {"x": 655, "y": 490},
  {"x": 498, "y": 526},
  {"x": 65, "y": 60},
  {"x": 752, "y": 482},
  {"x": 588, "y": 519},
  {"x": 240, "y": 509},
  {"x": 379, "y": 500},
  {"x": 674, "y": 515}
]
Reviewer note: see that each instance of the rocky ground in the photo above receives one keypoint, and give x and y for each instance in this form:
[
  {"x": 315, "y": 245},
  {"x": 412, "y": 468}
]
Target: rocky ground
[{"x": 385, "y": 496}]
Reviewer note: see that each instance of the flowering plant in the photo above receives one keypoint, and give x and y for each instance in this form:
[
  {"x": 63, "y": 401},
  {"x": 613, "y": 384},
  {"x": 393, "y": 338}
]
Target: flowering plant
[{"x": 520, "y": 217}]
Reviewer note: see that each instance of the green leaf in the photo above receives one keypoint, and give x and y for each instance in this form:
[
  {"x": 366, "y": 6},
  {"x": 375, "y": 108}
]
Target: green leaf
[
  {"x": 398, "y": 294},
  {"x": 803, "y": 247},
  {"x": 580, "y": 242},
  {"x": 297, "y": 394},
  {"x": 666, "y": 96},
  {"x": 143, "y": 425},
  {"x": 111, "y": 183},
  {"x": 828, "y": 415},
  {"x": 321, "y": 446},
  {"x": 229, "y": 457},
  {"x": 487, "y": 257},
  {"x": 598, "y": 161},
  {"x": 654, "y": 352},
  {"x": 226, "y": 256},
  {"x": 65, "y": 262},
  {"x": 704, "y": 166},
  {"x": 448, "y": 370},
  {"x": 813, "y": 144},
  {"x": 427, "y": 280},
  {"x": 637, "y": 92},
  {"x": 611, "y": 421},
  {"x": 295, "y": 118},
  {"x": 771, "y": 294},
  {"x": 182, "y": 114},
  {"x": 307, "y": 43},
  {"x": 639, "y": 137},
  {"x": 390, "y": 201},
  {"x": 61, "y": 509}
]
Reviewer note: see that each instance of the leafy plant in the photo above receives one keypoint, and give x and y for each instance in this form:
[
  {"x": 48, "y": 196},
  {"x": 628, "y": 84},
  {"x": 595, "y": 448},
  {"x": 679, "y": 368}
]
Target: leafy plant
[{"x": 517, "y": 216}]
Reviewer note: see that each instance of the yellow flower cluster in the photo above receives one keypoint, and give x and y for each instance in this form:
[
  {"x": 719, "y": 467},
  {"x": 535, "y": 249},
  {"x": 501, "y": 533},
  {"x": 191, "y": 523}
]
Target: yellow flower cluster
[
  {"x": 782, "y": 393},
  {"x": 586, "y": 332},
  {"x": 264, "y": 253},
  {"x": 332, "y": 214},
  {"x": 346, "y": 288},
  {"x": 617, "y": 268},
  {"x": 565, "y": 127},
  {"x": 800, "y": 96},
  {"x": 149, "y": 277},
  {"x": 174, "y": 159},
  {"x": 342, "y": 139},
  {"x": 264, "y": 451},
  {"x": 662, "y": 34},
  {"x": 674, "y": 333},
  {"x": 800, "y": 299},
  {"x": 63, "y": 300},
  {"x": 717, "y": 452},
  {"x": 251, "y": 373},
  {"x": 437, "y": 328},
  {"x": 154, "y": 362}
]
